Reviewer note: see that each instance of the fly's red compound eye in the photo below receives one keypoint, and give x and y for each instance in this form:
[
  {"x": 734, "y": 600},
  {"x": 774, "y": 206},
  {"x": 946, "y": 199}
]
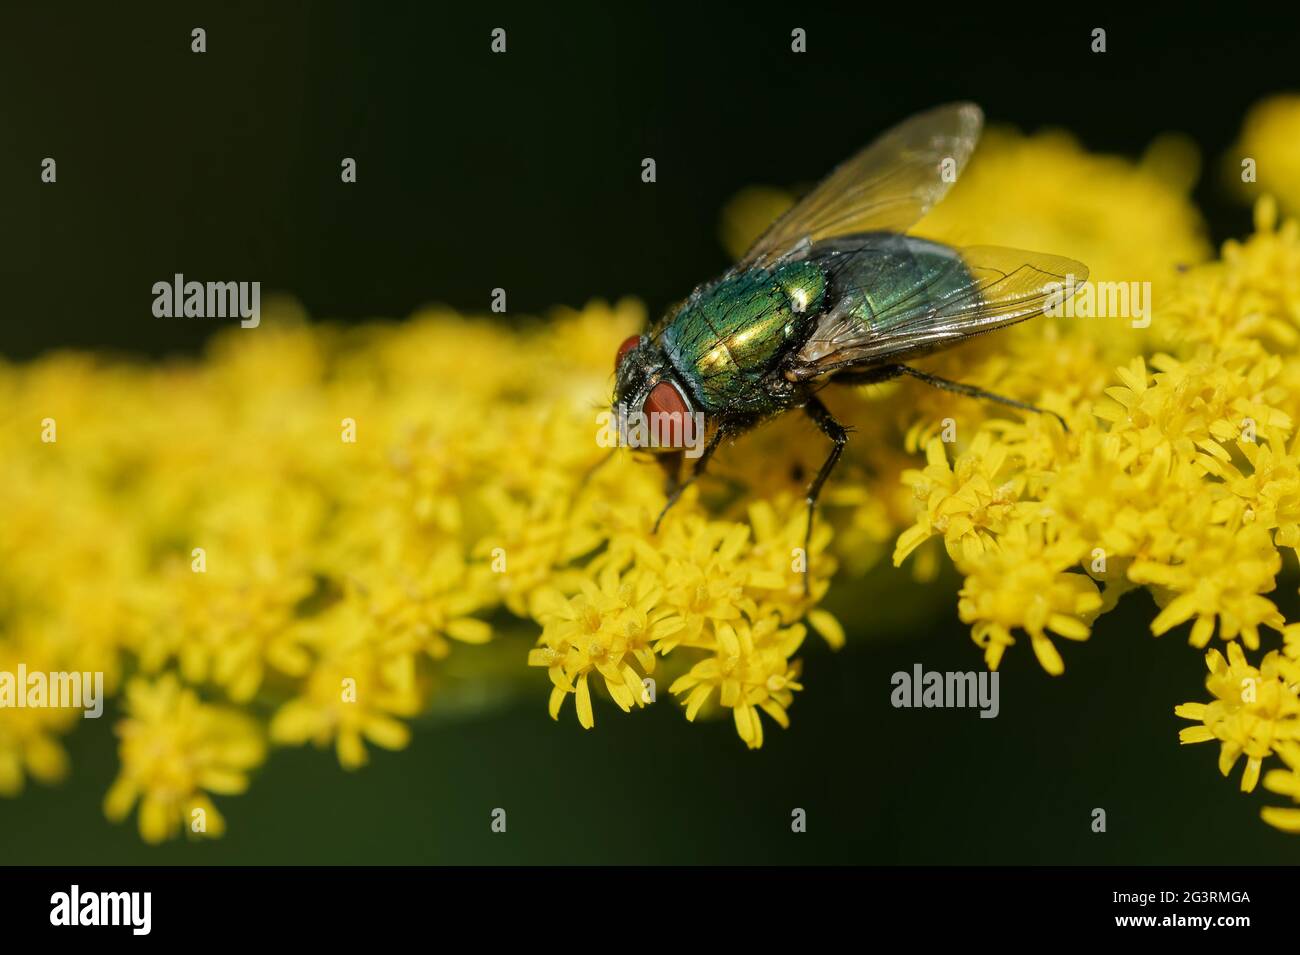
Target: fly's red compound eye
[
  {"x": 664, "y": 399},
  {"x": 624, "y": 348}
]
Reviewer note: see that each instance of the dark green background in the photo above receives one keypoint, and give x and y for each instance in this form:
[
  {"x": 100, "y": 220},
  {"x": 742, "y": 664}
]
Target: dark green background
[{"x": 522, "y": 171}]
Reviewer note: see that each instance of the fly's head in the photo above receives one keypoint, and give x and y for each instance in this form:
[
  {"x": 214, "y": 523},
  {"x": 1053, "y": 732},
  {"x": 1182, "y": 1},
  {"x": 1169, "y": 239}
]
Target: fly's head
[{"x": 653, "y": 407}]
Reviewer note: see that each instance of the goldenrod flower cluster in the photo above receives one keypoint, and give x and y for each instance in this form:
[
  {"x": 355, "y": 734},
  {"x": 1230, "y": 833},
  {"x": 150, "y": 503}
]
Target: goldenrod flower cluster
[
  {"x": 286, "y": 542},
  {"x": 319, "y": 534}
]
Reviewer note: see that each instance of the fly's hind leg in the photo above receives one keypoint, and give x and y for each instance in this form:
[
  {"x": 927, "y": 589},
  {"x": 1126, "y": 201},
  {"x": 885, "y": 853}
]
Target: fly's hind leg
[
  {"x": 838, "y": 434},
  {"x": 886, "y": 372}
]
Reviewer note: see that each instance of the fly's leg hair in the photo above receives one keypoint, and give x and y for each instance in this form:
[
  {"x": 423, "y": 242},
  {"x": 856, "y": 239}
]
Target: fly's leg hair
[
  {"x": 886, "y": 372},
  {"x": 676, "y": 487},
  {"x": 867, "y": 376},
  {"x": 838, "y": 434}
]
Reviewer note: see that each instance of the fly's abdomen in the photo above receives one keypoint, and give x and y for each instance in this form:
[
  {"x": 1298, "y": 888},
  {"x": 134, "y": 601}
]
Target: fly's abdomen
[
  {"x": 889, "y": 271},
  {"x": 878, "y": 283},
  {"x": 727, "y": 339}
]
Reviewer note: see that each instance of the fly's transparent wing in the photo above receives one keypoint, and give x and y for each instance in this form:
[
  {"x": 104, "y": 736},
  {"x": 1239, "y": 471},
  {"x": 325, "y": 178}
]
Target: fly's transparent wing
[
  {"x": 901, "y": 296},
  {"x": 885, "y": 188}
]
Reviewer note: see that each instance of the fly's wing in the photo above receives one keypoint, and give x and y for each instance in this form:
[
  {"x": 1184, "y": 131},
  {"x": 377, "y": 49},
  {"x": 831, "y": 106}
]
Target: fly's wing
[
  {"x": 901, "y": 297},
  {"x": 885, "y": 188}
]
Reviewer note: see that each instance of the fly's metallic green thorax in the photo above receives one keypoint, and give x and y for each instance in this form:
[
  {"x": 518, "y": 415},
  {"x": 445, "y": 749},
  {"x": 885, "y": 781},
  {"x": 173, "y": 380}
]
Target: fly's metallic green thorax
[
  {"x": 733, "y": 342},
  {"x": 730, "y": 337}
]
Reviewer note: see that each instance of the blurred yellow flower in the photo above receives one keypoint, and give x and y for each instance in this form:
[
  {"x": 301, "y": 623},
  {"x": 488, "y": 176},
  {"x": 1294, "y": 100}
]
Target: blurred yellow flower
[
  {"x": 356, "y": 690},
  {"x": 29, "y": 736},
  {"x": 174, "y": 751},
  {"x": 1286, "y": 782},
  {"x": 1265, "y": 160}
]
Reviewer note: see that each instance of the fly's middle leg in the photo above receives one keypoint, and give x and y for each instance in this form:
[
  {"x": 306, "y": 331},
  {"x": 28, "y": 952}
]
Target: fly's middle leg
[{"x": 839, "y": 435}]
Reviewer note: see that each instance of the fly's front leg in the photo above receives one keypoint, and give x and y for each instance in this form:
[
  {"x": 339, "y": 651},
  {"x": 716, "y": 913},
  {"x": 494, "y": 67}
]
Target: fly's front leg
[
  {"x": 670, "y": 462},
  {"x": 675, "y": 486},
  {"x": 839, "y": 435}
]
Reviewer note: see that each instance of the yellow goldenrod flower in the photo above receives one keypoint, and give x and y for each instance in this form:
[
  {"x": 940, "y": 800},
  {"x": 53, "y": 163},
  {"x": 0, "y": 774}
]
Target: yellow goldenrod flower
[
  {"x": 1032, "y": 582},
  {"x": 750, "y": 666},
  {"x": 1218, "y": 572},
  {"x": 610, "y": 629},
  {"x": 421, "y": 613},
  {"x": 1252, "y": 711},
  {"x": 29, "y": 744},
  {"x": 354, "y": 691},
  {"x": 1286, "y": 782},
  {"x": 968, "y": 503},
  {"x": 174, "y": 751},
  {"x": 229, "y": 623}
]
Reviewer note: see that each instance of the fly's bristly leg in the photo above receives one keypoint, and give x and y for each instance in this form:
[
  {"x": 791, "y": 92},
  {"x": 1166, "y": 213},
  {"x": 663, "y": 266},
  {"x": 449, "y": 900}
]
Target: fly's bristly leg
[
  {"x": 973, "y": 392},
  {"x": 676, "y": 487},
  {"x": 824, "y": 420},
  {"x": 867, "y": 376}
]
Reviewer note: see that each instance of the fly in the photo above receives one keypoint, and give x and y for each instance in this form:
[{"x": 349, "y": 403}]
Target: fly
[{"x": 836, "y": 291}]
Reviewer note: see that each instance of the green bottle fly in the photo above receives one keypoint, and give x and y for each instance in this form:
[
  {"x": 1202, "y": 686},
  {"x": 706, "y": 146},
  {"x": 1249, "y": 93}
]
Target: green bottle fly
[{"x": 836, "y": 291}]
